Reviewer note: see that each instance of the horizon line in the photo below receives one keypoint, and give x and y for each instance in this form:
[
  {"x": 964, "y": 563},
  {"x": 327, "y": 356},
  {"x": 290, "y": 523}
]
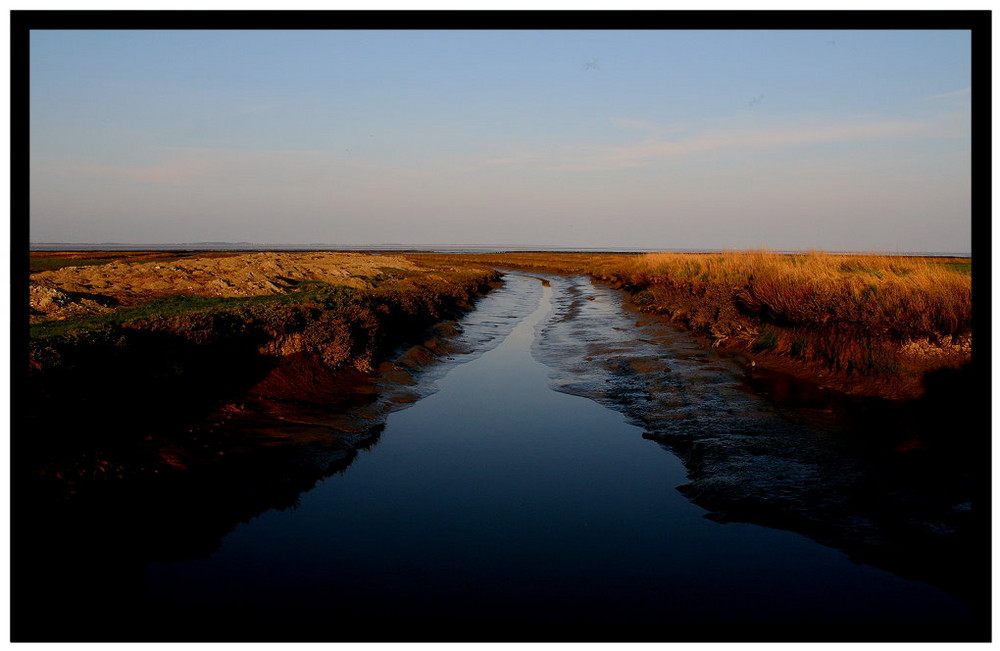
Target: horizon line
[{"x": 396, "y": 246}]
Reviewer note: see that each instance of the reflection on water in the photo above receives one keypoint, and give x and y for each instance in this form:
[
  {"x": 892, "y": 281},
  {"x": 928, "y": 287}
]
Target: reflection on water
[{"x": 499, "y": 509}]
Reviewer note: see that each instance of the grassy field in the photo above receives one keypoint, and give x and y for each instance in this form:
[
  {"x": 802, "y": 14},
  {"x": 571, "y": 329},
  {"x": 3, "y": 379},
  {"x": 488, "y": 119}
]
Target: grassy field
[
  {"x": 347, "y": 319},
  {"x": 862, "y": 323},
  {"x": 853, "y": 313},
  {"x": 174, "y": 306}
]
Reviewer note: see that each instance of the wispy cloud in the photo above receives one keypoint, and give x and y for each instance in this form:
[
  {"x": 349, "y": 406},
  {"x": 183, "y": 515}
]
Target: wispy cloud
[
  {"x": 175, "y": 173},
  {"x": 955, "y": 94},
  {"x": 513, "y": 160},
  {"x": 656, "y": 145},
  {"x": 187, "y": 166},
  {"x": 654, "y": 130}
]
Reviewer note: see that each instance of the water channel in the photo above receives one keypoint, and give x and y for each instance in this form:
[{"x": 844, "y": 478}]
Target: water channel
[{"x": 498, "y": 508}]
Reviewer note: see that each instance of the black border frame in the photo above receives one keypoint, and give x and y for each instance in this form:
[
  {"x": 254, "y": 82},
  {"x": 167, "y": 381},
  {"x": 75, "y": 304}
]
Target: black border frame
[{"x": 978, "y": 22}]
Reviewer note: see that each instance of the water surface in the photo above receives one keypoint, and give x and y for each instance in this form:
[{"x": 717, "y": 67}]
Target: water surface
[{"x": 498, "y": 508}]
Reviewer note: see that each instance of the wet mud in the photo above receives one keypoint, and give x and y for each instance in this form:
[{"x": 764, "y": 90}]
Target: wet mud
[{"x": 863, "y": 476}]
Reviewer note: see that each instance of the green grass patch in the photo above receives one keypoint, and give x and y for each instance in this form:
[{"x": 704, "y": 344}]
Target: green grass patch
[
  {"x": 960, "y": 267},
  {"x": 767, "y": 340},
  {"x": 850, "y": 268},
  {"x": 642, "y": 298},
  {"x": 799, "y": 347},
  {"x": 385, "y": 275},
  {"x": 326, "y": 295}
]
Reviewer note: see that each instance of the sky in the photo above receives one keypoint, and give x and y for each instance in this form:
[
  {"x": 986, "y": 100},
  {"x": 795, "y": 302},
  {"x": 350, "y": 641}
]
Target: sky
[{"x": 648, "y": 139}]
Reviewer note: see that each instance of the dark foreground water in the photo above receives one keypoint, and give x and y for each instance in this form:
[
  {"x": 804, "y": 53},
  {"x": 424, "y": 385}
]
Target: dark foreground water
[{"x": 500, "y": 509}]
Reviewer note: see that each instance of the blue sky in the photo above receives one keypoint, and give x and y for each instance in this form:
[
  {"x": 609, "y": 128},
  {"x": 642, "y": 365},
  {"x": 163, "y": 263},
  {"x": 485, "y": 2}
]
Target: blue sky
[{"x": 641, "y": 139}]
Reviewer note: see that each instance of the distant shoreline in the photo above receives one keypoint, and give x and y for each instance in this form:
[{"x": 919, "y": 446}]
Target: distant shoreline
[{"x": 423, "y": 248}]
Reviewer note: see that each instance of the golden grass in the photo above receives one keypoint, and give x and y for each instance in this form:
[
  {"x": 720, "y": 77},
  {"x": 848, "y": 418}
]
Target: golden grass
[
  {"x": 871, "y": 315},
  {"x": 850, "y": 315},
  {"x": 888, "y": 296}
]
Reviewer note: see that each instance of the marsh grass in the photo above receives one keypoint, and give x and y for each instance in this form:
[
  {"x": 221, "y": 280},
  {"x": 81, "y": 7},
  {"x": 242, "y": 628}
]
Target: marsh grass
[
  {"x": 873, "y": 315},
  {"x": 340, "y": 323},
  {"x": 850, "y": 313},
  {"x": 886, "y": 296},
  {"x": 186, "y": 306},
  {"x": 412, "y": 290}
]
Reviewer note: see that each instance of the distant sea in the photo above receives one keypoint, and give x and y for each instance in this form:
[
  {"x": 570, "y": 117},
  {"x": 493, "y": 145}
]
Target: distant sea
[{"x": 419, "y": 248}]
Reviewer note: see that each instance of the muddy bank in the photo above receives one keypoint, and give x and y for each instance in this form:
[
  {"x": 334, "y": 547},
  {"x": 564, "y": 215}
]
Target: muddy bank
[
  {"x": 150, "y": 435},
  {"x": 898, "y": 485},
  {"x": 185, "y": 479},
  {"x": 125, "y": 395},
  {"x": 844, "y": 358},
  {"x": 89, "y": 388}
]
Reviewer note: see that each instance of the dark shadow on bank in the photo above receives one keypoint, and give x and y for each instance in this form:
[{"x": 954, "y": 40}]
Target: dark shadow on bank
[
  {"x": 157, "y": 451},
  {"x": 900, "y": 485}
]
